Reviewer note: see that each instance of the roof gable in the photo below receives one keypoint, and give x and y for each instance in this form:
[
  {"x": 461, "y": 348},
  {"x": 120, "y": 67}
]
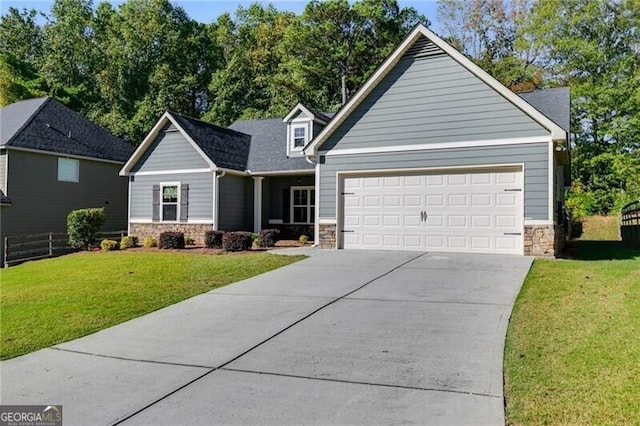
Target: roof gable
[
  {"x": 218, "y": 147},
  {"x": 413, "y": 45},
  {"x": 308, "y": 112},
  {"x": 46, "y": 125}
]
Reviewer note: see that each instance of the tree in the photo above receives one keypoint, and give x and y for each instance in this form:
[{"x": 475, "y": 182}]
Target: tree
[
  {"x": 593, "y": 47},
  {"x": 338, "y": 45},
  {"x": 493, "y": 34},
  {"x": 249, "y": 85}
]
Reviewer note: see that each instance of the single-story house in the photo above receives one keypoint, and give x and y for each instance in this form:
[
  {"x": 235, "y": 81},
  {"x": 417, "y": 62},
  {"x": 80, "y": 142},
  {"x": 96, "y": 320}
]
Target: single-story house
[
  {"x": 431, "y": 154},
  {"x": 52, "y": 161}
]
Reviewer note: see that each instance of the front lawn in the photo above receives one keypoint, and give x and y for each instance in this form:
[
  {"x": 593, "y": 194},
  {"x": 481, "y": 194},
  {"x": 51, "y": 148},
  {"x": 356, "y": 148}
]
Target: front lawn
[
  {"x": 573, "y": 347},
  {"x": 51, "y": 301}
]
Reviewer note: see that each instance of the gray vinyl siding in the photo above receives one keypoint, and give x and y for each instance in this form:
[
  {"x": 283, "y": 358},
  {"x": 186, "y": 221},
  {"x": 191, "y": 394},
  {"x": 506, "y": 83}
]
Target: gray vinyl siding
[
  {"x": 534, "y": 156},
  {"x": 170, "y": 151},
  {"x": 41, "y": 204},
  {"x": 235, "y": 210},
  {"x": 431, "y": 98},
  {"x": 3, "y": 169},
  {"x": 200, "y": 194}
]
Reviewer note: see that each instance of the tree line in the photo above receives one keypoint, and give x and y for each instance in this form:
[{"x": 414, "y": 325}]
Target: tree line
[{"x": 123, "y": 67}]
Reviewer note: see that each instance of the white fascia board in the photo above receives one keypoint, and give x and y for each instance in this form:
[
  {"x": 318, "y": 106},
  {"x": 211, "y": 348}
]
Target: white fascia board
[
  {"x": 304, "y": 109},
  {"x": 311, "y": 150},
  {"x": 151, "y": 136},
  {"x": 193, "y": 143},
  {"x": 137, "y": 154},
  {"x": 557, "y": 133},
  {"x": 283, "y": 172}
]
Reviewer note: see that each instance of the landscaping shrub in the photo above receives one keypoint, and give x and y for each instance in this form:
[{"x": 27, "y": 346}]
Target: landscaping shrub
[
  {"x": 128, "y": 242},
  {"x": 83, "y": 225},
  {"x": 171, "y": 240},
  {"x": 189, "y": 241},
  {"x": 108, "y": 245},
  {"x": 237, "y": 241},
  {"x": 303, "y": 239},
  {"x": 268, "y": 237},
  {"x": 213, "y": 239},
  {"x": 150, "y": 242}
]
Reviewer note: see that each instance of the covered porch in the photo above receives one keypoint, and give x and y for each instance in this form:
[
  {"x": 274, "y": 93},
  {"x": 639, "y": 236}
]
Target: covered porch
[{"x": 285, "y": 201}]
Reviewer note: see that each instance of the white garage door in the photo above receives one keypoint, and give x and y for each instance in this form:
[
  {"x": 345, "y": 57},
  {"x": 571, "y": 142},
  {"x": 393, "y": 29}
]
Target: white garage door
[{"x": 480, "y": 211}]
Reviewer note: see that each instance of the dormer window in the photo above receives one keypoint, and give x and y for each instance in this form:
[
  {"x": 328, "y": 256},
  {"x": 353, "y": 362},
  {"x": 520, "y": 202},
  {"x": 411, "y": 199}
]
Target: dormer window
[{"x": 299, "y": 137}]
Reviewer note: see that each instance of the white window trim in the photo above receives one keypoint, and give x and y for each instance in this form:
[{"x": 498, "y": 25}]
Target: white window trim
[
  {"x": 310, "y": 199},
  {"x": 77, "y": 169},
  {"x": 162, "y": 185},
  {"x": 294, "y": 127}
]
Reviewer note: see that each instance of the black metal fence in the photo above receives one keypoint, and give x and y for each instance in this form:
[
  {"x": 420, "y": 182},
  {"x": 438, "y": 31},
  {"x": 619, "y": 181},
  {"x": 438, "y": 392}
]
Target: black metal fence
[
  {"x": 630, "y": 224},
  {"x": 21, "y": 248}
]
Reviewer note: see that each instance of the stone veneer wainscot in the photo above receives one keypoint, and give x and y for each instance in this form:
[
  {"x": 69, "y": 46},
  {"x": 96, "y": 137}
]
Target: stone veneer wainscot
[{"x": 192, "y": 230}]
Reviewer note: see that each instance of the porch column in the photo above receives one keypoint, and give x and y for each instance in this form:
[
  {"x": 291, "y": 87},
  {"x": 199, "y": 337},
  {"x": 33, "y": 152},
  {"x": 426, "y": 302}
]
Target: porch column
[{"x": 257, "y": 203}]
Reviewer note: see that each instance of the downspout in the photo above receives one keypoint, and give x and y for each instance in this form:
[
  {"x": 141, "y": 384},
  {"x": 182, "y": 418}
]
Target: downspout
[
  {"x": 216, "y": 198},
  {"x": 316, "y": 219}
]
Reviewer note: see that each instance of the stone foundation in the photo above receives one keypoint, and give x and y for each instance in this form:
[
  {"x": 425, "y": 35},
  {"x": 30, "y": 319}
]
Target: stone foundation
[
  {"x": 144, "y": 230},
  {"x": 327, "y": 236},
  {"x": 543, "y": 240}
]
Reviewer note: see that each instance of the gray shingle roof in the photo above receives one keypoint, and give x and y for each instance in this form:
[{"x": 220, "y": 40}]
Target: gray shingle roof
[
  {"x": 226, "y": 148},
  {"x": 269, "y": 146},
  {"x": 44, "y": 124},
  {"x": 554, "y": 103}
]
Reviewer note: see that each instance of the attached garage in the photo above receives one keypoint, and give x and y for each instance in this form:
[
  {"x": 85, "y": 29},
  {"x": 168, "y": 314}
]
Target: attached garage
[
  {"x": 479, "y": 210},
  {"x": 434, "y": 154}
]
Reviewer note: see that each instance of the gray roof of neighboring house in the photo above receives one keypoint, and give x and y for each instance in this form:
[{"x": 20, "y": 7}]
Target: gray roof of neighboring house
[
  {"x": 554, "y": 103},
  {"x": 227, "y": 148},
  {"x": 269, "y": 146},
  {"x": 44, "y": 124}
]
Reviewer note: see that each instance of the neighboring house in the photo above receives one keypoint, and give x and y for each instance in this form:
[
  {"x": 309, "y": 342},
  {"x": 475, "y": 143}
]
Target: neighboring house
[
  {"x": 52, "y": 161},
  {"x": 431, "y": 153}
]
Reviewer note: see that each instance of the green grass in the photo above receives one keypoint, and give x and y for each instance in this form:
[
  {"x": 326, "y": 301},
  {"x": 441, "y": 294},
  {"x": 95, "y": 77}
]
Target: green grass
[
  {"x": 52, "y": 301},
  {"x": 573, "y": 347},
  {"x": 599, "y": 228}
]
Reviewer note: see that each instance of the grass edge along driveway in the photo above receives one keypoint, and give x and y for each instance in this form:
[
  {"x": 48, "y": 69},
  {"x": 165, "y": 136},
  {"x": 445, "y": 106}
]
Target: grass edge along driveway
[
  {"x": 47, "y": 302},
  {"x": 573, "y": 347}
]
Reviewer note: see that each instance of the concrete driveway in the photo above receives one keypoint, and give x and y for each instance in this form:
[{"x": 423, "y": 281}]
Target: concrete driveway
[{"x": 342, "y": 337}]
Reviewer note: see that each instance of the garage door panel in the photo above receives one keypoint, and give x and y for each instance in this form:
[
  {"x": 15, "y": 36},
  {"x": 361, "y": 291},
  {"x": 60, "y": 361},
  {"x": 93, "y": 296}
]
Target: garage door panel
[
  {"x": 457, "y": 200},
  {"x": 463, "y": 212}
]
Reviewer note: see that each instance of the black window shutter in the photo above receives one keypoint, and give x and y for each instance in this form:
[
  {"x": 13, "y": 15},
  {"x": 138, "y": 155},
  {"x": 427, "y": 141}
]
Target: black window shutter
[
  {"x": 184, "y": 202},
  {"x": 155, "y": 216},
  {"x": 286, "y": 206}
]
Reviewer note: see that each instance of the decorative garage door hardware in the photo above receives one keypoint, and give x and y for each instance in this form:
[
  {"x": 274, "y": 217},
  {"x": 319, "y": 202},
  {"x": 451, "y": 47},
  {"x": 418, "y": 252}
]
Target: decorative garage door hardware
[{"x": 423, "y": 216}]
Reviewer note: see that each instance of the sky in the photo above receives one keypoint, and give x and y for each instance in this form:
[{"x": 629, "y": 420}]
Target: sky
[{"x": 207, "y": 11}]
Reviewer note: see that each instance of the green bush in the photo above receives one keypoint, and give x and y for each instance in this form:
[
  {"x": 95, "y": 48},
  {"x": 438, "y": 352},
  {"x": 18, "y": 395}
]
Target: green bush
[
  {"x": 237, "y": 241},
  {"x": 108, "y": 245},
  {"x": 128, "y": 242},
  {"x": 189, "y": 241},
  {"x": 171, "y": 240},
  {"x": 150, "y": 242},
  {"x": 213, "y": 239},
  {"x": 303, "y": 239},
  {"x": 268, "y": 237},
  {"x": 83, "y": 225}
]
